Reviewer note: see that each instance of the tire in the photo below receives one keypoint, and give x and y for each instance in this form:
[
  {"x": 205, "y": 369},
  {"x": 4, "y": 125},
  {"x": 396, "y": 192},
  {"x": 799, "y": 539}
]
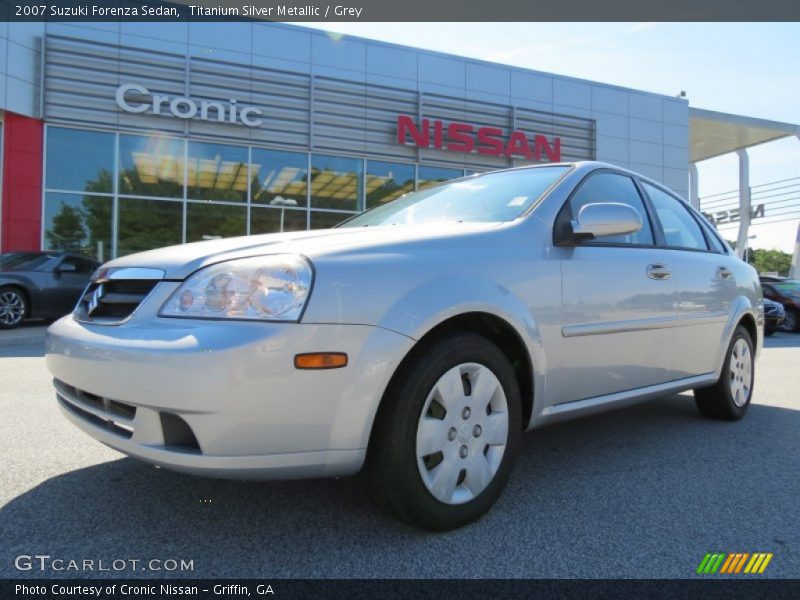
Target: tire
[
  {"x": 791, "y": 322},
  {"x": 729, "y": 398},
  {"x": 13, "y": 307},
  {"x": 463, "y": 465}
]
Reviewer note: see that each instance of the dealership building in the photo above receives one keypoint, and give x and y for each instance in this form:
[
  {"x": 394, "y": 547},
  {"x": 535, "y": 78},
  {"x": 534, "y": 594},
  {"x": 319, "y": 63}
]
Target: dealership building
[{"x": 118, "y": 138}]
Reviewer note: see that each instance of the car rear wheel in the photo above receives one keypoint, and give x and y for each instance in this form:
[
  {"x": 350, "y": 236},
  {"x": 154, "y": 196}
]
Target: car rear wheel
[
  {"x": 13, "y": 308},
  {"x": 729, "y": 398},
  {"x": 790, "y": 322},
  {"x": 446, "y": 434}
]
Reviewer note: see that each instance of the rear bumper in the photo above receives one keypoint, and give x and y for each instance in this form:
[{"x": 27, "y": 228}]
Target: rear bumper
[{"x": 251, "y": 413}]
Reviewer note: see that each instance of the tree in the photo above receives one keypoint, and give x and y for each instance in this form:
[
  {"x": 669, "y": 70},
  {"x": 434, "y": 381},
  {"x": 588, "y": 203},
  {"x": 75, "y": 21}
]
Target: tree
[
  {"x": 771, "y": 261},
  {"x": 67, "y": 232}
]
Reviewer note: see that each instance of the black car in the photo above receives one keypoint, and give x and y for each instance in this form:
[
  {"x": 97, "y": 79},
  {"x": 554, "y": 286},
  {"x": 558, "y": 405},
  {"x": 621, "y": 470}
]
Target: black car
[
  {"x": 40, "y": 285},
  {"x": 786, "y": 292},
  {"x": 773, "y": 316}
]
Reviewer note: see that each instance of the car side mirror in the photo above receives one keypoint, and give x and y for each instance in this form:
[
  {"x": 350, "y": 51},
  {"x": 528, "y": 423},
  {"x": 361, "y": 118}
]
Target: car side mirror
[
  {"x": 66, "y": 268},
  {"x": 604, "y": 219}
]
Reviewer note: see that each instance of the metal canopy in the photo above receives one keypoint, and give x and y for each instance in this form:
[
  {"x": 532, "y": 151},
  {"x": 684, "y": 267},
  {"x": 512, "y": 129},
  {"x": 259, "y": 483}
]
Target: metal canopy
[{"x": 714, "y": 133}]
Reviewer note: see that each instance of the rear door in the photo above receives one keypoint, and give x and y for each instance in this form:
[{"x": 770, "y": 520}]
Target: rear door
[
  {"x": 706, "y": 283},
  {"x": 618, "y": 303}
]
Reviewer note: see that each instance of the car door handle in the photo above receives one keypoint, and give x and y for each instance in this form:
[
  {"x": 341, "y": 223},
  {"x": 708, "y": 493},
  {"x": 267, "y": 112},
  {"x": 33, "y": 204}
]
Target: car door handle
[
  {"x": 724, "y": 272},
  {"x": 658, "y": 271}
]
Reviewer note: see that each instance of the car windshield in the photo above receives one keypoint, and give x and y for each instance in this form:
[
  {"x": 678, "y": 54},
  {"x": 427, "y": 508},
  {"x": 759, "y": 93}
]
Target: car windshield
[
  {"x": 490, "y": 198},
  {"x": 25, "y": 261},
  {"x": 790, "y": 287}
]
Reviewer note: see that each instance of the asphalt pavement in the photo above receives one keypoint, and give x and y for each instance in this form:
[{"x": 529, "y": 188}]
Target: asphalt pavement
[{"x": 643, "y": 492}]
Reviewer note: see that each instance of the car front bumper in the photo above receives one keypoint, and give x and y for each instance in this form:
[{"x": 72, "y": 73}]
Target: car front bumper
[{"x": 250, "y": 413}]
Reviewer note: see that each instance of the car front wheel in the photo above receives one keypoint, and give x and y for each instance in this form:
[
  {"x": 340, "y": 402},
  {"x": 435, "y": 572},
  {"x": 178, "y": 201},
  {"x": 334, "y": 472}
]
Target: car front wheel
[
  {"x": 729, "y": 398},
  {"x": 13, "y": 308},
  {"x": 446, "y": 434}
]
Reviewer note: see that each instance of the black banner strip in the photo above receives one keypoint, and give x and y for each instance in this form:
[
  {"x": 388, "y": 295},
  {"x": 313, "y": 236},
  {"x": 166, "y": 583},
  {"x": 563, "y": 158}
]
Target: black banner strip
[
  {"x": 402, "y": 10},
  {"x": 709, "y": 589}
]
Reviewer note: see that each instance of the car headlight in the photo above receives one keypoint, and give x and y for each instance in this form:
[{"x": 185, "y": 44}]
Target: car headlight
[{"x": 269, "y": 288}]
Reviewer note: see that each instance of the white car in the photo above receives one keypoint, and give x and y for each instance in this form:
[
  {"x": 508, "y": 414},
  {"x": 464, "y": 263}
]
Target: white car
[{"x": 417, "y": 340}]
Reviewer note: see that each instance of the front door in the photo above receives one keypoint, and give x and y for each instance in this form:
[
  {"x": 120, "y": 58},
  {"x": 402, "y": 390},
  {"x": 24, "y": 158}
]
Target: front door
[{"x": 618, "y": 313}]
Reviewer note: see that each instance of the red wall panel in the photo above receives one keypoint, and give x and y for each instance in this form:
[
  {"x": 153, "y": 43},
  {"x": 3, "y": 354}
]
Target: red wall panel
[{"x": 23, "y": 158}]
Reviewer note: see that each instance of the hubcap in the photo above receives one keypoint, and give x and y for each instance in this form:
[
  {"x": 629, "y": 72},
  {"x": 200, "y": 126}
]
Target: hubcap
[
  {"x": 12, "y": 308},
  {"x": 741, "y": 372},
  {"x": 462, "y": 433}
]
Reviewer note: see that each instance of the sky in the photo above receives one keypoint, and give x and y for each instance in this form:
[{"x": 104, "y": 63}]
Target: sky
[{"x": 751, "y": 69}]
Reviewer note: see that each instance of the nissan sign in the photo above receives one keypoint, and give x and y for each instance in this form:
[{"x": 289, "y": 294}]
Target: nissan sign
[
  {"x": 732, "y": 216},
  {"x": 464, "y": 137},
  {"x": 134, "y": 98}
]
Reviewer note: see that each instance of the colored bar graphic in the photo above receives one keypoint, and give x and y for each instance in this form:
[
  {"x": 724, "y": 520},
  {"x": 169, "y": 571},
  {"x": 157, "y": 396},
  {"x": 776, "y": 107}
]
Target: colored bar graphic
[
  {"x": 740, "y": 564},
  {"x": 765, "y": 563},
  {"x": 727, "y": 565},
  {"x": 703, "y": 563},
  {"x": 734, "y": 563},
  {"x": 755, "y": 561}
]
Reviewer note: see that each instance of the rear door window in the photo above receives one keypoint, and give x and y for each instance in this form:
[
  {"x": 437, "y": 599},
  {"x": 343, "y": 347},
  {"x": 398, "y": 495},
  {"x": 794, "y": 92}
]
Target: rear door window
[{"x": 680, "y": 228}]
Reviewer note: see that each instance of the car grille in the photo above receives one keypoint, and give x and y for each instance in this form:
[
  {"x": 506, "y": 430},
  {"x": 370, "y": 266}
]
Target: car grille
[
  {"x": 111, "y": 301},
  {"x": 116, "y": 417}
]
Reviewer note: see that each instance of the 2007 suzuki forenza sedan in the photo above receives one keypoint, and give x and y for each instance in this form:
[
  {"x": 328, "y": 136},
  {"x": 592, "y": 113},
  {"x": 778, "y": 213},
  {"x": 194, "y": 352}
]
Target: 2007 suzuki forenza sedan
[{"x": 417, "y": 340}]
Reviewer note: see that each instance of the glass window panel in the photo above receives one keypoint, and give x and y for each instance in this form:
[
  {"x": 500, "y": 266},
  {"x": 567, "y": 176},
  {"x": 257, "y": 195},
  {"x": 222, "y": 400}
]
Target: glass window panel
[
  {"x": 81, "y": 265},
  {"x": 611, "y": 187},
  {"x": 212, "y": 221},
  {"x": 387, "y": 181},
  {"x": 279, "y": 178},
  {"x": 430, "y": 176},
  {"x": 336, "y": 182},
  {"x": 276, "y": 220},
  {"x": 80, "y": 160},
  {"x": 148, "y": 224},
  {"x": 680, "y": 228},
  {"x": 325, "y": 220},
  {"x": 217, "y": 172},
  {"x": 151, "y": 166},
  {"x": 80, "y": 224}
]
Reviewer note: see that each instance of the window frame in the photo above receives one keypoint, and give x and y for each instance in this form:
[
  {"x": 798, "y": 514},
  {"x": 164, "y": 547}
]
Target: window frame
[{"x": 574, "y": 243}]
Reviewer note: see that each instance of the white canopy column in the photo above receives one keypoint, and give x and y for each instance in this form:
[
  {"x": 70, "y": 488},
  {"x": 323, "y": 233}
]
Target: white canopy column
[
  {"x": 694, "y": 198},
  {"x": 744, "y": 202}
]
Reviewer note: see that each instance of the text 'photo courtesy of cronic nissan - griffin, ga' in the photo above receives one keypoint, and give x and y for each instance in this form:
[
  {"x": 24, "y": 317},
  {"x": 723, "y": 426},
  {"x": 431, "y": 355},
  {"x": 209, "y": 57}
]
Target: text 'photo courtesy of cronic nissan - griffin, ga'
[{"x": 415, "y": 342}]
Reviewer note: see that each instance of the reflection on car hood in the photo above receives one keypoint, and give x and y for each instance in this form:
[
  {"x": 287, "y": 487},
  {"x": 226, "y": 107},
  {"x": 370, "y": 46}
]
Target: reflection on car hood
[{"x": 180, "y": 261}]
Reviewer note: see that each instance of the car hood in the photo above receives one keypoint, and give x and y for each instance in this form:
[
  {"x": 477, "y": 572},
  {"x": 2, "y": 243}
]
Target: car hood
[{"x": 180, "y": 261}]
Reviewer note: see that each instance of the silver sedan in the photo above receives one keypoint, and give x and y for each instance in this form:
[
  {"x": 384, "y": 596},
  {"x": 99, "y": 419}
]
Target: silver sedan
[{"x": 415, "y": 342}]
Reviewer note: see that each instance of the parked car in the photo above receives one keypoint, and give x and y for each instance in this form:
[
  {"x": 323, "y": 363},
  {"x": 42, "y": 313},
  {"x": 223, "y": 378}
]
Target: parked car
[
  {"x": 786, "y": 292},
  {"x": 417, "y": 340},
  {"x": 773, "y": 316},
  {"x": 40, "y": 285}
]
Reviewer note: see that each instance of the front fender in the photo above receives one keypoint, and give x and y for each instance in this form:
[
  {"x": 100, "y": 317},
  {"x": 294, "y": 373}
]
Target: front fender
[{"x": 437, "y": 300}]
